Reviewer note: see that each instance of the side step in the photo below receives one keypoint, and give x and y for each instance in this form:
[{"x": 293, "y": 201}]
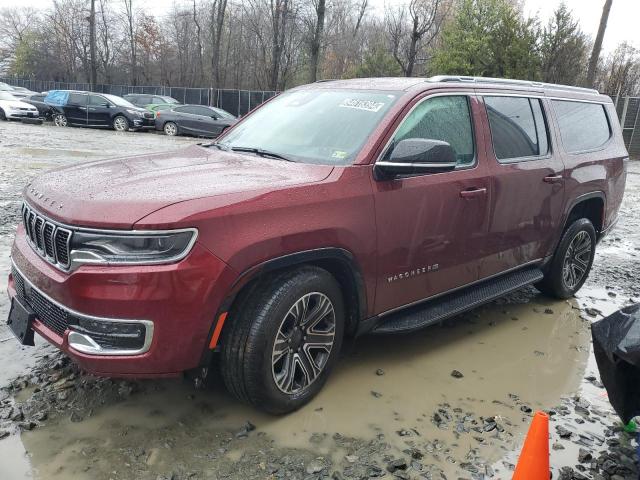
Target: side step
[{"x": 449, "y": 305}]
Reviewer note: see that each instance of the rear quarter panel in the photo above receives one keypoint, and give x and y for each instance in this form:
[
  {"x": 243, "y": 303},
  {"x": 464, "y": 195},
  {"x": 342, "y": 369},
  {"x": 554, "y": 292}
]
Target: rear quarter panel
[{"x": 602, "y": 170}]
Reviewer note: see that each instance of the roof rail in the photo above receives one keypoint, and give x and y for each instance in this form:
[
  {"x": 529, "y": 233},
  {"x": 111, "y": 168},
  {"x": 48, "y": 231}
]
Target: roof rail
[{"x": 507, "y": 81}]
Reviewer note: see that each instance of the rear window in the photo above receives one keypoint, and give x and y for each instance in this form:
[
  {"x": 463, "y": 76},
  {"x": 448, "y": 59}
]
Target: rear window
[
  {"x": 583, "y": 126},
  {"x": 518, "y": 127}
]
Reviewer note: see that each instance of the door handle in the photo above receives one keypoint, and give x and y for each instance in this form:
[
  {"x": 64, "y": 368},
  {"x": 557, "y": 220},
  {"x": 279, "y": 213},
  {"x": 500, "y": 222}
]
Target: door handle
[
  {"x": 553, "y": 179},
  {"x": 473, "y": 192}
]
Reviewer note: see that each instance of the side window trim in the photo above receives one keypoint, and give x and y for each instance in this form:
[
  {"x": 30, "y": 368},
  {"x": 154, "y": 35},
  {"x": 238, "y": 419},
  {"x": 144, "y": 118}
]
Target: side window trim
[
  {"x": 469, "y": 95},
  {"x": 528, "y": 158}
]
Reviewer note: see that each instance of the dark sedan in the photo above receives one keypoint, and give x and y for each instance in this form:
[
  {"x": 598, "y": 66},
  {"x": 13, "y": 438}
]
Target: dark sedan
[
  {"x": 197, "y": 120},
  {"x": 37, "y": 100}
]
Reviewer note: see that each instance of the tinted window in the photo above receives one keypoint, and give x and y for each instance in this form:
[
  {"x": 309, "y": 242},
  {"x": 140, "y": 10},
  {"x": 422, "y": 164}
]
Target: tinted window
[
  {"x": 518, "y": 127},
  {"x": 77, "y": 99},
  {"x": 37, "y": 98},
  {"x": 441, "y": 118},
  {"x": 193, "y": 110},
  {"x": 97, "y": 100},
  {"x": 583, "y": 126}
]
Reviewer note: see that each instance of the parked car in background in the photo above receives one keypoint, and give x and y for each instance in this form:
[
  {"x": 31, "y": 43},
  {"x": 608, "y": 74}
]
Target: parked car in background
[
  {"x": 150, "y": 101},
  {"x": 87, "y": 109},
  {"x": 197, "y": 120},
  {"x": 15, "y": 91},
  {"x": 12, "y": 108},
  {"x": 37, "y": 100},
  {"x": 23, "y": 91},
  {"x": 160, "y": 107}
]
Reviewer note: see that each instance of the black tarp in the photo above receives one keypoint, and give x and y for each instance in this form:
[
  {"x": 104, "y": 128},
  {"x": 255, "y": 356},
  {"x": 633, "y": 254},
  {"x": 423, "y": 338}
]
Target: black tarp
[{"x": 616, "y": 345}]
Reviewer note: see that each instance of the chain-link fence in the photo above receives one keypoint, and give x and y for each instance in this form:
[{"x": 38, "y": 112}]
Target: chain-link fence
[
  {"x": 628, "y": 109},
  {"x": 237, "y": 102}
]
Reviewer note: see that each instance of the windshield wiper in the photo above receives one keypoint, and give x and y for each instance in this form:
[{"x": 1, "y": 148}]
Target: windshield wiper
[
  {"x": 262, "y": 153},
  {"x": 219, "y": 145}
]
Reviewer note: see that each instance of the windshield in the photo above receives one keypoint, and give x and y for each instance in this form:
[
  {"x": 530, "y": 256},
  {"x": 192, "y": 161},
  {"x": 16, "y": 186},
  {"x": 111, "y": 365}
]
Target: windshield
[
  {"x": 313, "y": 126},
  {"x": 6, "y": 96},
  {"x": 121, "y": 102},
  {"x": 169, "y": 100}
]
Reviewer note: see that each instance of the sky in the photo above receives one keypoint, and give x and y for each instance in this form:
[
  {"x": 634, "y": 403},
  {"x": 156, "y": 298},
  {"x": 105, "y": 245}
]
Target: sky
[{"x": 624, "y": 18}]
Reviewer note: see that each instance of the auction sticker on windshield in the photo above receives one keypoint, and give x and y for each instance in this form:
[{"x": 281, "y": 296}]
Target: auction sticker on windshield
[{"x": 367, "y": 105}]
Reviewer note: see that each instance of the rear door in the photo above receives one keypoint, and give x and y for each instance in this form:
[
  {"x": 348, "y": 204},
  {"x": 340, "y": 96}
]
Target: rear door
[
  {"x": 528, "y": 181},
  {"x": 76, "y": 109},
  {"x": 99, "y": 111},
  {"x": 432, "y": 227}
]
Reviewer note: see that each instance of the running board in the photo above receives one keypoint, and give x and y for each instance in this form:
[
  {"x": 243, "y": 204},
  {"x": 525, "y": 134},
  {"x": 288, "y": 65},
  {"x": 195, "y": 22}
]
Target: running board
[{"x": 452, "y": 304}]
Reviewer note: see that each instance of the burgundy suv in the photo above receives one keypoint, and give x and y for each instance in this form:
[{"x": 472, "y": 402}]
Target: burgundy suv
[{"x": 335, "y": 209}]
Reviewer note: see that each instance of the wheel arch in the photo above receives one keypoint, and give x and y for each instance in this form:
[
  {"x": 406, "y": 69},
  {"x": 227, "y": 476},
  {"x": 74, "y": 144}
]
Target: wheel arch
[
  {"x": 338, "y": 262},
  {"x": 591, "y": 206}
]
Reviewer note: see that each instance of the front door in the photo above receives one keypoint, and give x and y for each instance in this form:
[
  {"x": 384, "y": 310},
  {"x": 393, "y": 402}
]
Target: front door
[
  {"x": 99, "y": 111},
  {"x": 76, "y": 109},
  {"x": 528, "y": 183},
  {"x": 432, "y": 227}
]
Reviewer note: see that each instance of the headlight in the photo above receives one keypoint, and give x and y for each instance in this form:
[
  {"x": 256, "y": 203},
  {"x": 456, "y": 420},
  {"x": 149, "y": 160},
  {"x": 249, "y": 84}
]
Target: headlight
[
  {"x": 131, "y": 248},
  {"x": 136, "y": 112}
]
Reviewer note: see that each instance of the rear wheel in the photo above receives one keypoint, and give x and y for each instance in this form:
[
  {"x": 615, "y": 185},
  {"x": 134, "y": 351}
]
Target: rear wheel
[
  {"x": 572, "y": 261},
  {"x": 170, "y": 129},
  {"x": 282, "y": 342},
  {"x": 120, "y": 124},
  {"x": 60, "y": 120}
]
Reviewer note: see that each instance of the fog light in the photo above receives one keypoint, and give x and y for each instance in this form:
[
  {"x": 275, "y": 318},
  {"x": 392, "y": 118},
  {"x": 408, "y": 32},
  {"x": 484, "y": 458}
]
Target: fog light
[{"x": 111, "y": 337}]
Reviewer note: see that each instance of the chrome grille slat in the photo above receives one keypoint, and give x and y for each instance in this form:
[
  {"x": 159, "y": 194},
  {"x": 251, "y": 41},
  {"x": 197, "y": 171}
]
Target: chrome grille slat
[{"x": 47, "y": 239}]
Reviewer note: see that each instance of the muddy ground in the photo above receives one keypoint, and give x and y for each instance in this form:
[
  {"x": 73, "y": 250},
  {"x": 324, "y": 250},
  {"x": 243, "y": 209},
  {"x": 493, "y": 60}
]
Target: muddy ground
[{"x": 392, "y": 408}]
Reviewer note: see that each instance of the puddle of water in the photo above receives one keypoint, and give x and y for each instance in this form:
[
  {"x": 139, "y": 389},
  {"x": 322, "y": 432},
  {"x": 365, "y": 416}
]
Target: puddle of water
[
  {"x": 14, "y": 463},
  {"x": 501, "y": 350}
]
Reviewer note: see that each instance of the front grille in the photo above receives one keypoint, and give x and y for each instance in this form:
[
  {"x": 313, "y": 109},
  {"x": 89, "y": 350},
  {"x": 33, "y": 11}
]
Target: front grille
[
  {"x": 51, "y": 315},
  {"x": 47, "y": 239}
]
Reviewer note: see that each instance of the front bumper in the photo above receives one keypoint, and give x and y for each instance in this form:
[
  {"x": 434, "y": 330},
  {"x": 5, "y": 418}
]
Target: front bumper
[
  {"x": 177, "y": 302},
  {"x": 143, "y": 123},
  {"x": 20, "y": 114}
]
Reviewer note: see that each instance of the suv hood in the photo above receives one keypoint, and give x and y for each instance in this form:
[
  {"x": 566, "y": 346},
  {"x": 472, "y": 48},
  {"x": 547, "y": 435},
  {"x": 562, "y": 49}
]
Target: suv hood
[{"x": 116, "y": 193}]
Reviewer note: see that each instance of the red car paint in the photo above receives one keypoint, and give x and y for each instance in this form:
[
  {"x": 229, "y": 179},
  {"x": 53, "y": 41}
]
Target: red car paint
[{"x": 250, "y": 210}]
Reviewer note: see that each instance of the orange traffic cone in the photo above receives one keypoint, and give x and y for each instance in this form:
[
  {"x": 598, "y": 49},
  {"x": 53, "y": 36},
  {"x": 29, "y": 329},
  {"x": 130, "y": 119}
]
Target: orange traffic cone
[{"x": 533, "y": 463}]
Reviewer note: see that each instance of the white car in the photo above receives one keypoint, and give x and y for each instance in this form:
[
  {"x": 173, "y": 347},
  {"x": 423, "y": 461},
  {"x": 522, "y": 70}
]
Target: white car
[{"x": 12, "y": 108}]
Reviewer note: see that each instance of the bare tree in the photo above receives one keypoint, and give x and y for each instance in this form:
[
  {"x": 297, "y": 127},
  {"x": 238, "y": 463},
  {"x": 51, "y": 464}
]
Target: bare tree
[
  {"x": 315, "y": 42},
  {"x": 131, "y": 36},
  {"x": 597, "y": 45},
  {"x": 92, "y": 43},
  {"x": 216, "y": 25},
  {"x": 411, "y": 28}
]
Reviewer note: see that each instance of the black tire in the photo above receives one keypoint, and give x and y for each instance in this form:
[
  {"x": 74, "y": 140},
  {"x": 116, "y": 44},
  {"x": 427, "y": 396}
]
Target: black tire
[
  {"x": 120, "y": 123},
  {"x": 250, "y": 333},
  {"x": 558, "y": 281},
  {"x": 2, "y": 115}
]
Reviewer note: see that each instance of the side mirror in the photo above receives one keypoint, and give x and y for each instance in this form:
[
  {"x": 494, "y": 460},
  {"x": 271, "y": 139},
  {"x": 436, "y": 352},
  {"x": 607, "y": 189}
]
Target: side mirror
[
  {"x": 418, "y": 155},
  {"x": 107, "y": 105}
]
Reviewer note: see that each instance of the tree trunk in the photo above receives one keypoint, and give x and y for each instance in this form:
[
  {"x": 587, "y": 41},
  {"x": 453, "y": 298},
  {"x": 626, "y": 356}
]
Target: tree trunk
[
  {"x": 597, "y": 45},
  {"x": 92, "y": 43},
  {"x": 316, "y": 41},
  {"x": 413, "y": 48}
]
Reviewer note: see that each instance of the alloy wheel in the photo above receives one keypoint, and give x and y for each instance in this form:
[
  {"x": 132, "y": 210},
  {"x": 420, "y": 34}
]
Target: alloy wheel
[
  {"x": 170, "y": 129},
  {"x": 60, "y": 120},
  {"x": 120, "y": 124},
  {"x": 576, "y": 260},
  {"x": 303, "y": 343}
]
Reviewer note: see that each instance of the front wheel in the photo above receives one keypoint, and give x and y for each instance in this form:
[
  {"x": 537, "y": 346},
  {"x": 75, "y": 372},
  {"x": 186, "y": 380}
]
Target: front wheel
[
  {"x": 284, "y": 338},
  {"x": 2, "y": 115},
  {"x": 60, "y": 120},
  {"x": 120, "y": 124},
  {"x": 572, "y": 261}
]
